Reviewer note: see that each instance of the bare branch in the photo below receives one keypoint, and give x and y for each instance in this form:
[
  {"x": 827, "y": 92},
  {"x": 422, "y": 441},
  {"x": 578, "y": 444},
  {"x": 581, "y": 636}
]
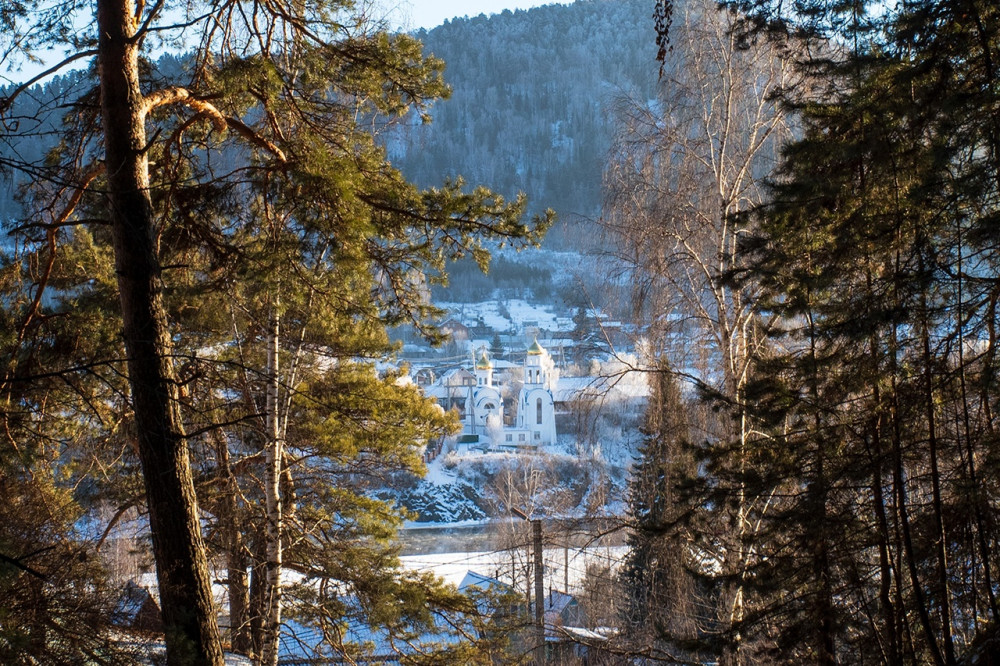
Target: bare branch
[
  {"x": 5, "y": 102},
  {"x": 256, "y": 139}
]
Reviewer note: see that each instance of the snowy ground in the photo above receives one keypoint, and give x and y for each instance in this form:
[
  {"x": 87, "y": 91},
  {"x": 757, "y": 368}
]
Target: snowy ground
[
  {"x": 452, "y": 567},
  {"x": 465, "y": 487},
  {"x": 517, "y": 313}
]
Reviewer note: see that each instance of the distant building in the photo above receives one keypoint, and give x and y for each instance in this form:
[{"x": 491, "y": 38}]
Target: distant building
[
  {"x": 137, "y": 611},
  {"x": 535, "y": 405},
  {"x": 484, "y": 405},
  {"x": 474, "y": 581},
  {"x": 534, "y": 421},
  {"x": 563, "y": 610},
  {"x": 424, "y": 376},
  {"x": 453, "y": 387},
  {"x": 455, "y": 329},
  {"x": 458, "y": 377}
]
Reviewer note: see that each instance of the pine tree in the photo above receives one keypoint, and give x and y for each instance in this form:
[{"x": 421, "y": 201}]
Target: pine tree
[
  {"x": 62, "y": 420},
  {"x": 252, "y": 164}
]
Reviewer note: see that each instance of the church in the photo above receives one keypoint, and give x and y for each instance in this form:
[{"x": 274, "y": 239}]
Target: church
[{"x": 534, "y": 423}]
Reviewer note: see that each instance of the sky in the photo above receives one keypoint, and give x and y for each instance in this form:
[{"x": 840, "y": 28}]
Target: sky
[
  {"x": 431, "y": 13},
  {"x": 406, "y": 14}
]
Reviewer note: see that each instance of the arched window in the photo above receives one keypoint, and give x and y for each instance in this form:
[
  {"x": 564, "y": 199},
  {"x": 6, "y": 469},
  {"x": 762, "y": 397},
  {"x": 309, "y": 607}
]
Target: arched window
[{"x": 538, "y": 411}]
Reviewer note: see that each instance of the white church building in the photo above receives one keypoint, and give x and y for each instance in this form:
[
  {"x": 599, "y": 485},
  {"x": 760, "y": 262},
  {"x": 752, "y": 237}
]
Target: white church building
[{"x": 534, "y": 423}]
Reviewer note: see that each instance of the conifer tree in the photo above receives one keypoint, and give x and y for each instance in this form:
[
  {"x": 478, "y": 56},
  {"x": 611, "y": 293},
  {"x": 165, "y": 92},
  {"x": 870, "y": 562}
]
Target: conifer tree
[
  {"x": 660, "y": 592},
  {"x": 870, "y": 253},
  {"x": 64, "y": 428},
  {"x": 269, "y": 108},
  {"x": 682, "y": 169}
]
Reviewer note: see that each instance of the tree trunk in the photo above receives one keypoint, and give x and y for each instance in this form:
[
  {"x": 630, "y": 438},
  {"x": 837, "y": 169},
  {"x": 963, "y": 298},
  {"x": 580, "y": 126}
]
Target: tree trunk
[
  {"x": 237, "y": 581},
  {"x": 980, "y": 522},
  {"x": 192, "y": 635},
  {"x": 899, "y": 481},
  {"x": 258, "y": 594},
  {"x": 818, "y": 488},
  {"x": 890, "y": 617},
  {"x": 940, "y": 536},
  {"x": 272, "y": 622},
  {"x": 539, "y": 571}
]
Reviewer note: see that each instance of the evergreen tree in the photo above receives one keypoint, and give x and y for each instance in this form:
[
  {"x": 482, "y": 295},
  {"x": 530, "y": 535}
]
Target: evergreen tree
[
  {"x": 65, "y": 430},
  {"x": 531, "y": 90},
  {"x": 496, "y": 346},
  {"x": 682, "y": 167},
  {"x": 252, "y": 164},
  {"x": 660, "y": 592},
  {"x": 870, "y": 254}
]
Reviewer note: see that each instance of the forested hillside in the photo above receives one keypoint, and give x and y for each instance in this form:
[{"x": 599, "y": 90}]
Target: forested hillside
[
  {"x": 212, "y": 256},
  {"x": 529, "y": 111},
  {"x": 531, "y": 95}
]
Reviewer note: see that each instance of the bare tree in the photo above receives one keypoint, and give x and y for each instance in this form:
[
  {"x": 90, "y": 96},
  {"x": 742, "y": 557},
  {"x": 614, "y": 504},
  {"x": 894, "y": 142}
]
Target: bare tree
[{"x": 683, "y": 167}]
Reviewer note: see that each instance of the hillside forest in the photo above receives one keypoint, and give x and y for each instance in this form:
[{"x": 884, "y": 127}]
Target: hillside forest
[{"x": 219, "y": 215}]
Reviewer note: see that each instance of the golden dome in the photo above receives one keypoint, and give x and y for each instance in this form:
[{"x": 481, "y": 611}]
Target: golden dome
[{"x": 535, "y": 349}]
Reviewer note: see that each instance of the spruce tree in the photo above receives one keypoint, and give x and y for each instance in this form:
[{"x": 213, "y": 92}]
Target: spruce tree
[
  {"x": 863, "y": 475},
  {"x": 870, "y": 253},
  {"x": 682, "y": 170},
  {"x": 658, "y": 577}
]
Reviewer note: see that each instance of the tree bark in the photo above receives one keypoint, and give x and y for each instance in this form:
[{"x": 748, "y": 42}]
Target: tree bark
[
  {"x": 258, "y": 593},
  {"x": 192, "y": 636},
  {"x": 272, "y": 622},
  {"x": 539, "y": 571},
  {"x": 237, "y": 560},
  {"x": 899, "y": 479},
  {"x": 940, "y": 536}
]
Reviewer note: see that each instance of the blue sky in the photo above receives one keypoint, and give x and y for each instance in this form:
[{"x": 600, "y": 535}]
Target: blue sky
[
  {"x": 430, "y": 13},
  {"x": 407, "y": 14}
]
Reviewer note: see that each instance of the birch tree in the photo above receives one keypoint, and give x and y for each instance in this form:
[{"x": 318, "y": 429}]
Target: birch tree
[
  {"x": 683, "y": 167},
  {"x": 871, "y": 249}
]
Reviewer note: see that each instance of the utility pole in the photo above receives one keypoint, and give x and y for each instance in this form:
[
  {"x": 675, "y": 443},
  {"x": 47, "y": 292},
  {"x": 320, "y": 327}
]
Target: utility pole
[
  {"x": 536, "y": 541},
  {"x": 536, "y": 537},
  {"x": 566, "y": 565}
]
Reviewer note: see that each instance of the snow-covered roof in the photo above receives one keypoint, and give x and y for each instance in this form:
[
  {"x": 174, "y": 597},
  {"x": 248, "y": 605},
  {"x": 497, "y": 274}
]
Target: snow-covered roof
[
  {"x": 299, "y": 642},
  {"x": 455, "y": 372},
  {"x": 556, "y": 601},
  {"x": 613, "y": 387},
  {"x": 473, "y": 579},
  {"x": 136, "y": 609},
  {"x": 442, "y": 392},
  {"x": 579, "y": 634}
]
